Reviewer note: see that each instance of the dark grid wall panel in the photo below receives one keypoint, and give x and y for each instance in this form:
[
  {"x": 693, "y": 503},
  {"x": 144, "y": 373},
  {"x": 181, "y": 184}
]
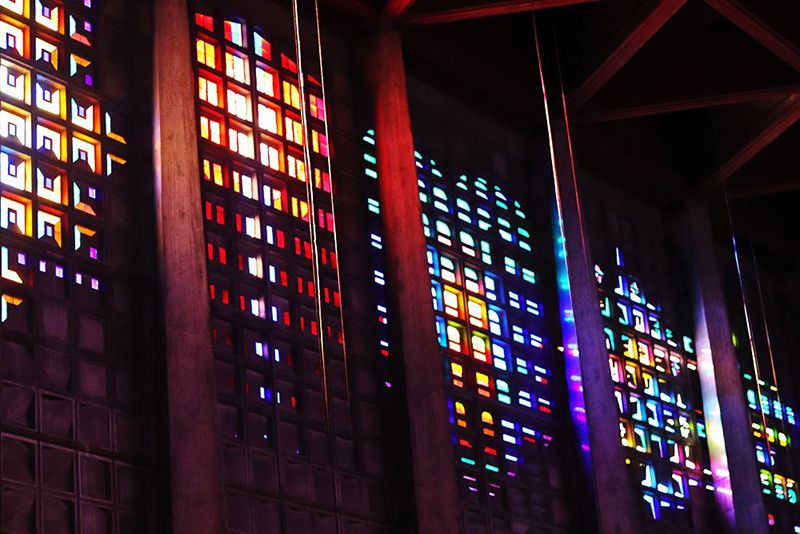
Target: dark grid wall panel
[
  {"x": 290, "y": 464},
  {"x": 646, "y": 311},
  {"x": 75, "y": 445}
]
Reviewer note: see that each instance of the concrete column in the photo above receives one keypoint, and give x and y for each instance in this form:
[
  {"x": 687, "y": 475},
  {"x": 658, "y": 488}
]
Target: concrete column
[
  {"x": 409, "y": 286},
  {"x": 619, "y": 505},
  {"x": 196, "y": 482},
  {"x": 730, "y": 443}
]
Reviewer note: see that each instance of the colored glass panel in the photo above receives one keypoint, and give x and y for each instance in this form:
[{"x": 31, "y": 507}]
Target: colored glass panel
[
  {"x": 654, "y": 371},
  {"x": 73, "y": 357},
  {"x": 493, "y": 337},
  {"x": 284, "y": 400}
]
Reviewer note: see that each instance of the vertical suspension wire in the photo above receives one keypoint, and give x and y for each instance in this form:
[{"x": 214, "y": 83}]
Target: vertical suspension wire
[
  {"x": 559, "y": 200},
  {"x": 312, "y": 212},
  {"x": 749, "y": 325},
  {"x": 577, "y": 399},
  {"x": 312, "y": 224},
  {"x": 333, "y": 210},
  {"x": 568, "y": 131},
  {"x": 768, "y": 336}
]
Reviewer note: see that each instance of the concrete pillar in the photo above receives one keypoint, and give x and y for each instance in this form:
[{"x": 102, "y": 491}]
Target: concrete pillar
[
  {"x": 196, "y": 482},
  {"x": 619, "y": 505},
  {"x": 730, "y": 443},
  {"x": 409, "y": 286}
]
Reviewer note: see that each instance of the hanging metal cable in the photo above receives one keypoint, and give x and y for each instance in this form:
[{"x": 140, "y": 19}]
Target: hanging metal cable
[
  {"x": 312, "y": 210},
  {"x": 333, "y": 209},
  {"x": 312, "y": 223},
  {"x": 749, "y": 325},
  {"x": 770, "y": 352}
]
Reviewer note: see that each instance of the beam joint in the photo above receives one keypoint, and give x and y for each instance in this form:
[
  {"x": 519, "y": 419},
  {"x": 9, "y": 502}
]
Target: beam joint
[
  {"x": 780, "y": 119},
  {"x": 397, "y": 8},
  {"x": 756, "y": 28},
  {"x": 645, "y": 25}
]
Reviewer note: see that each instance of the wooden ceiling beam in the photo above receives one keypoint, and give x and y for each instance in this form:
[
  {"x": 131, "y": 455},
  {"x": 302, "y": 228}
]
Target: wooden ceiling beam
[
  {"x": 756, "y": 28},
  {"x": 766, "y": 189},
  {"x": 685, "y": 104},
  {"x": 644, "y": 26},
  {"x": 780, "y": 119},
  {"x": 397, "y": 8},
  {"x": 492, "y": 9},
  {"x": 364, "y": 12}
]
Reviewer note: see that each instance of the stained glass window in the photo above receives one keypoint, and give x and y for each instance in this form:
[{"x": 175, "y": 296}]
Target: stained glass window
[
  {"x": 654, "y": 372},
  {"x": 497, "y": 358},
  {"x": 774, "y": 425},
  {"x": 272, "y": 278},
  {"x": 71, "y": 354}
]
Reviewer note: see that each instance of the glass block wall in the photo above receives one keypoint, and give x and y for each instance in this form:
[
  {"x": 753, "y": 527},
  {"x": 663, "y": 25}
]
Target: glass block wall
[
  {"x": 292, "y": 459},
  {"x": 75, "y": 436}
]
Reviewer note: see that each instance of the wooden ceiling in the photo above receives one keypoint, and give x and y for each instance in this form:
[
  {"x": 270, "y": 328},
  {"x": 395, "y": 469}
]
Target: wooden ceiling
[{"x": 671, "y": 100}]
